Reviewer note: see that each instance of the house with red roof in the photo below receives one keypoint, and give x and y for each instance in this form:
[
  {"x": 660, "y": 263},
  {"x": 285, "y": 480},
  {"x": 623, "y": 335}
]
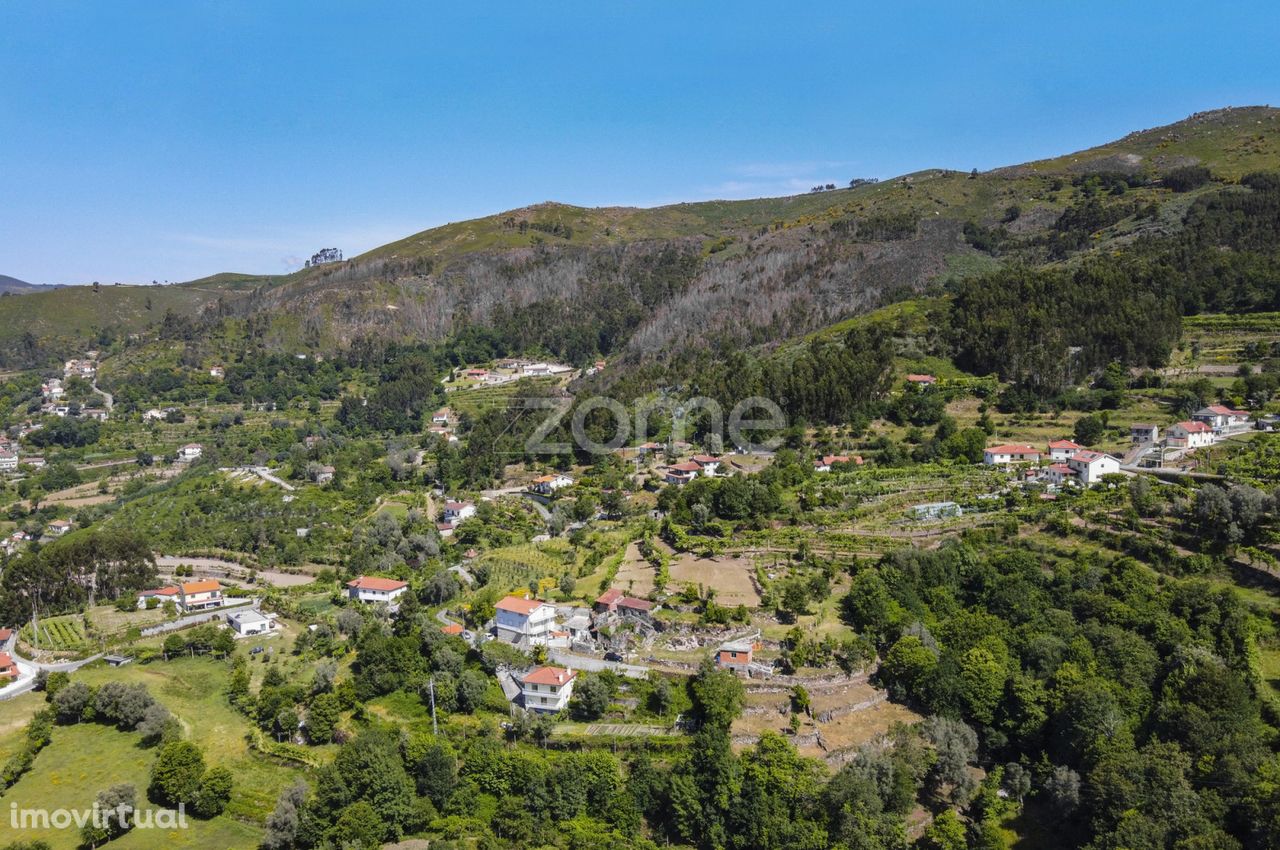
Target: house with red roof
[
  {"x": 607, "y": 602},
  {"x": 548, "y": 484},
  {"x": 1189, "y": 435},
  {"x": 376, "y": 589},
  {"x": 1006, "y": 454},
  {"x": 547, "y": 689},
  {"x": 682, "y": 473},
  {"x": 636, "y": 609},
  {"x": 456, "y": 512},
  {"x": 453, "y": 629},
  {"x": 1059, "y": 474},
  {"x": 524, "y": 622},
  {"x": 921, "y": 381},
  {"x": 189, "y": 596},
  {"x": 8, "y": 667},
  {"x": 826, "y": 462},
  {"x": 1061, "y": 450},
  {"x": 1221, "y": 418}
]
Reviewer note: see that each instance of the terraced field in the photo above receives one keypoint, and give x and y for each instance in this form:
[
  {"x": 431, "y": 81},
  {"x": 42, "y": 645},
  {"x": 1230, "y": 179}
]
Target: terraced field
[{"x": 58, "y": 634}]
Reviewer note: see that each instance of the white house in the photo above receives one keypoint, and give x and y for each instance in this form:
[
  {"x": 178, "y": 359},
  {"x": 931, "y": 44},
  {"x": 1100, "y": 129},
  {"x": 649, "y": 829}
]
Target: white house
[
  {"x": 1219, "y": 417},
  {"x": 59, "y": 527},
  {"x": 324, "y": 474},
  {"x": 198, "y": 595},
  {"x": 1006, "y": 454},
  {"x": 548, "y": 484},
  {"x": 708, "y": 464},
  {"x": 1189, "y": 435},
  {"x": 456, "y": 512},
  {"x": 524, "y": 621},
  {"x": 8, "y": 461},
  {"x": 441, "y": 416},
  {"x": 189, "y": 596},
  {"x": 217, "y": 372},
  {"x": 1089, "y": 467},
  {"x": 190, "y": 452},
  {"x": 682, "y": 473},
  {"x": 374, "y": 589},
  {"x": 547, "y": 689},
  {"x": 251, "y": 622},
  {"x": 1061, "y": 450},
  {"x": 1059, "y": 474}
]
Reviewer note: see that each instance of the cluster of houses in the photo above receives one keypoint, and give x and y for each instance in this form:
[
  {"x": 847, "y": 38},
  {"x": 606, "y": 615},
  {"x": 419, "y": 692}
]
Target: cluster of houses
[
  {"x": 87, "y": 369},
  {"x": 442, "y": 425},
  {"x": 686, "y": 471},
  {"x": 513, "y": 369},
  {"x": 1068, "y": 461},
  {"x": 11, "y": 457}
]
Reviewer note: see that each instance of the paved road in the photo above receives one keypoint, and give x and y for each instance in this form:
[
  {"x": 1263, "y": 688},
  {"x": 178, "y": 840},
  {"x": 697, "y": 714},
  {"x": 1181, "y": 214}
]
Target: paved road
[
  {"x": 106, "y": 396},
  {"x": 27, "y": 670},
  {"x": 595, "y": 665}
]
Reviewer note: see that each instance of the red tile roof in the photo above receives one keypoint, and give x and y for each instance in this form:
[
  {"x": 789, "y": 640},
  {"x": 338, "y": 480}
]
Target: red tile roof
[
  {"x": 1193, "y": 427},
  {"x": 375, "y": 583},
  {"x": 687, "y": 466},
  {"x": 452, "y": 629},
  {"x": 1062, "y": 467},
  {"x": 1064, "y": 444},
  {"x": 921, "y": 379},
  {"x": 206, "y": 586},
  {"x": 705, "y": 459},
  {"x": 556, "y": 676},
  {"x": 609, "y": 597},
  {"x": 519, "y": 605},
  {"x": 1007, "y": 449},
  {"x": 637, "y": 604},
  {"x": 7, "y": 667},
  {"x": 5, "y": 634}
]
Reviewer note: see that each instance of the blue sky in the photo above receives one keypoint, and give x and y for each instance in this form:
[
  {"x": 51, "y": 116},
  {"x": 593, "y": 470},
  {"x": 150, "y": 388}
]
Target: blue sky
[{"x": 144, "y": 140}]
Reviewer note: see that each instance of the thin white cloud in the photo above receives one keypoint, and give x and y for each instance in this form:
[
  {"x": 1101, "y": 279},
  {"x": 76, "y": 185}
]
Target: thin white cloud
[{"x": 787, "y": 170}]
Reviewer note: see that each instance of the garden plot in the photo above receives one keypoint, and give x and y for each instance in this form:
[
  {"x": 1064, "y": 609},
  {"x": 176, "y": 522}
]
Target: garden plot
[
  {"x": 635, "y": 574},
  {"x": 845, "y": 716},
  {"x": 732, "y": 577}
]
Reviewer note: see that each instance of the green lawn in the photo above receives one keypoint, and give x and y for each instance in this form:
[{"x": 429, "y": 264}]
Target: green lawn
[
  {"x": 84, "y": 759},
  {"x": 194, "y": 689}
]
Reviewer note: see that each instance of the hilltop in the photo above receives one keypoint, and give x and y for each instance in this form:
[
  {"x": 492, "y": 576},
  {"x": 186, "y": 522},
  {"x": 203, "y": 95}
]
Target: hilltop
[
  {"x": 649, "y": 282},
  {"x": 13, "y": 286}
]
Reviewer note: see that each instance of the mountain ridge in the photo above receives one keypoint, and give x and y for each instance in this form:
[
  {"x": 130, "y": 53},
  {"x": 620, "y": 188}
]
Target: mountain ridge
[{"x": 648, "y": 281}]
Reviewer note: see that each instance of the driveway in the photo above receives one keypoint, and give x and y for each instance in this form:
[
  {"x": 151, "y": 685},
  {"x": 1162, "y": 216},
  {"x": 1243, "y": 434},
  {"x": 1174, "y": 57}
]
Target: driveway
[{"x": 595, "y": 665}]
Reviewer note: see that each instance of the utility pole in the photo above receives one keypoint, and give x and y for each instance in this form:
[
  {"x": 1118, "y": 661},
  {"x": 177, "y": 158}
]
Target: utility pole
[{"x": 431, "y": 687}]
